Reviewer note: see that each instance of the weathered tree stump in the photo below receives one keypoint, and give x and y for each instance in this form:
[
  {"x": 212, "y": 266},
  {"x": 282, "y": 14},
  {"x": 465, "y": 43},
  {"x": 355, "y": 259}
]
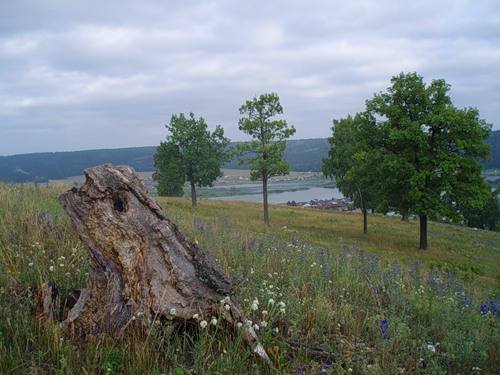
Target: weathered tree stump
[{"x": 142, "y": 264}]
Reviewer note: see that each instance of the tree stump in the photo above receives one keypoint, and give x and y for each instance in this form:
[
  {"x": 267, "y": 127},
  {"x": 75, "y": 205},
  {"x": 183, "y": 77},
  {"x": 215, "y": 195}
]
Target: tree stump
[{"x": 142, "y": 264}]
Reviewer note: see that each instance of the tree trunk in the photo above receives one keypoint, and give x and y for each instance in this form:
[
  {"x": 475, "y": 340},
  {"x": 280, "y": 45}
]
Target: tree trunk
[
  {"x": 405, "y": 216},
  {"x": 193, "y": 194},
  {"x": 142, "y": 265},
  {"x": 423, "y": 232},
  {"x": 365, "y": 213},
  {"x": 264, "y": 196},
  {"x": 365, "y": 221}
]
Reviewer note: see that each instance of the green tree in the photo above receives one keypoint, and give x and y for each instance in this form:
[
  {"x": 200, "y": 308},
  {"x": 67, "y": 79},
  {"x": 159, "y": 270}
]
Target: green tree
[
  {"x": 169, "y": 175},
  {"x": 191, "y": 153},
  {"x": 431, "y": 150},
  {"x": 268, "y": 142},
  {"x": 352, "y": 161},
  {"x": 486, "y": 217}
]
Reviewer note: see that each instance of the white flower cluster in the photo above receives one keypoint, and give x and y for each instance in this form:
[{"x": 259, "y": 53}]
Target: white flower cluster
[{"x": 255, "y": 305}]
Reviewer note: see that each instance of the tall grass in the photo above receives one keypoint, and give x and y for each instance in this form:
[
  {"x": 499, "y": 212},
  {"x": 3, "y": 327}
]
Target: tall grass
[{"x": 379, "y": 309}]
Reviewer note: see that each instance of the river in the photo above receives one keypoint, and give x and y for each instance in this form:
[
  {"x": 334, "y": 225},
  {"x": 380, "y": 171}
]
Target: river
[{"x": 282, "y": 197}]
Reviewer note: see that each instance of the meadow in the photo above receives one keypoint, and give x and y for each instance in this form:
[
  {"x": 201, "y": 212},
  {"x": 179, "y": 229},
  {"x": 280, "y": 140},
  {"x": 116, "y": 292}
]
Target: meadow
[{"x": 375, "y": 301}]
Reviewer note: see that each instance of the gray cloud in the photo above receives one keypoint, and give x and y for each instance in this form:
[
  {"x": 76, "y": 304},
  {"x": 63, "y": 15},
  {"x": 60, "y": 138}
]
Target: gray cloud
[{"x": 86, "y": 74}]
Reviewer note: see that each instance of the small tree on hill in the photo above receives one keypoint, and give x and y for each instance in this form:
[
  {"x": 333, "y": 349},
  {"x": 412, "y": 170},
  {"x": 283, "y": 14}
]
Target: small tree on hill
[
  {"x": 169, "y": 173},
  {"x": 486, "y": 217},
  {"x": 352, "y": 161},
  {"x": 431, "y": 150},
  {"x": 269, "y": 140},
  {"x": 191, "y": 153}
]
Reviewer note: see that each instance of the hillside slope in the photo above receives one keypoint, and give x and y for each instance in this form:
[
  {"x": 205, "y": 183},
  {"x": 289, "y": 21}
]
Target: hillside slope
[{"x": 375, "y": 301}]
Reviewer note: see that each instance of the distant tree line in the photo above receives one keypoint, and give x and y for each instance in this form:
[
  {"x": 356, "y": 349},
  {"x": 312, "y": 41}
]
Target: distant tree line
[{"x": 303, "y": 155}]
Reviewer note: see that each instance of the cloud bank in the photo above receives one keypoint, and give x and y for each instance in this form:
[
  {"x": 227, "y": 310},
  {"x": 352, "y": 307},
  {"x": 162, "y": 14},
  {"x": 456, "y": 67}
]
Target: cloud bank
[{"x": 93, "y": 74}]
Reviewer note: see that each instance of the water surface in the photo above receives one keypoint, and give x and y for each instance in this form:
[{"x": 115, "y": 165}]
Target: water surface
[{"x": 283, "y": 197}]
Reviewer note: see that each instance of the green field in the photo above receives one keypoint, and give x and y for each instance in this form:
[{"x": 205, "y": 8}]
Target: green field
[{"x": 375, "y": 301}]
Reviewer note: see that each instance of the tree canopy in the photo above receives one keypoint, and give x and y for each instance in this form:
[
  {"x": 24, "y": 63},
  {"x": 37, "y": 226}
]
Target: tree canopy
[
  {"x": 268, "y": 144},
  {"x": 431, "y": 150},
  {"x": 352, "y": 161},
  {"x": 191, "y": 153}
]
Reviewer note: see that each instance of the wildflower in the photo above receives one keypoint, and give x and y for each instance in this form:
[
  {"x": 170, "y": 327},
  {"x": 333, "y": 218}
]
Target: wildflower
[
  {"x": 281, "y": 304},
  {"x": 173, "y": 311},
  {"x": 139, "y": 314},
  {"x": 282, "y": 310},
  {"x": 384, "y": 329},
  {"x": 226, "y": 299},
  {"x": 490, "y": 307},
  {"x": 264, "y": 312},
  {"x": 61, "y": 265},
  {"x": 239, "y": 324},
  {"x": 256, "y": 327},
  {"x": 227, "y": 307},
  {"x": 277, "y": 330},
  {"x": 270, "y": 302},
  {"x": 30, "y": 264},
  {"x": 196, "y": 316},
  {"x": 263, "y": 324},
  {"x": 248, "y": 323},
  {"x": 213, "y": 321},
  {"x": 431, "y": 347},
  {"x": 51, "y": 268},
  {"x": 255, "y": 305},
  {"x": 203, "y": 323}
]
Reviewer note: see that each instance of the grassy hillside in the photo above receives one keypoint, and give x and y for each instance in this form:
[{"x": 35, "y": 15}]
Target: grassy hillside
[
  {"x": 474, "y": 254},
  {"x": 378, "y": 303}
]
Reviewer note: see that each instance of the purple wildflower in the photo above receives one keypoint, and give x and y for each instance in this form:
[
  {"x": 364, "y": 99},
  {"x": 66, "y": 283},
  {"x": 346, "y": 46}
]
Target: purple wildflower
[
  {"x": 483, "y": 309},
  {"x": 327, "y": 366},
  {"x": 300, "y": 370},
  {"x": 490, "y": 307},
  {"x": 384, "y": 329}
]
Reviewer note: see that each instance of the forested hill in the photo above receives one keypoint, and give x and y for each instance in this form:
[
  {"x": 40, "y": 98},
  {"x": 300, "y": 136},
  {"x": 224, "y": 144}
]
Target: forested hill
[{"x": 303, "y": 155}]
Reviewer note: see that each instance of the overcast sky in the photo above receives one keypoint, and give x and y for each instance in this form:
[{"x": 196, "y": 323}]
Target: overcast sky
[{"x": 94, "y": 74}]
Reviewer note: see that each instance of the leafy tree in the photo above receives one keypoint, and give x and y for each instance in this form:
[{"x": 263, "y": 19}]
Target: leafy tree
[
  {"x": 268, "y": 145},
  {"x": 169, "y": 173},
  {"x": 486, "y": 217},
  {"x": 352, "y": 162},
  {"x": 431, "y": 150},
  {"x": 191, "y": 153}
]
